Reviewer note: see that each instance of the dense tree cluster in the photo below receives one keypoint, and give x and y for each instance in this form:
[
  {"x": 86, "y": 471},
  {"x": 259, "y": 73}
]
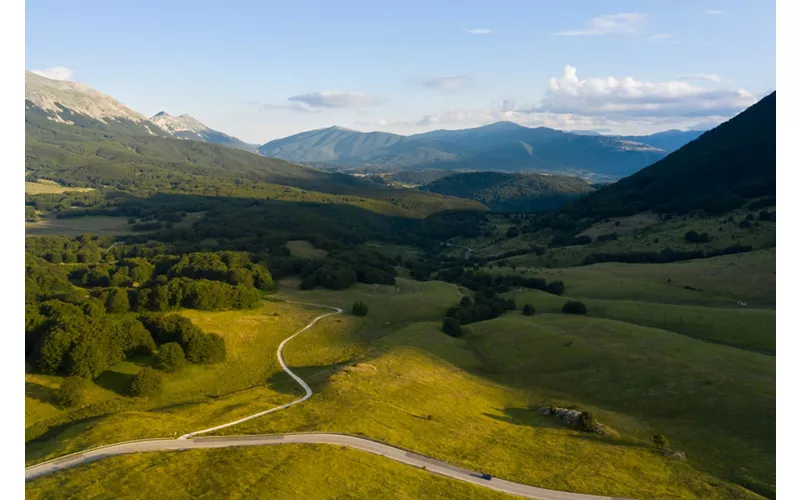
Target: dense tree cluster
[
  {"x": 84, "y": 340},
  {"x": 198, "y": 346},
  {"x": 664, "y": 256},
  {"x": 498, "y": 283},
  {"x": 693, "y": 236},
  {"x": 485, "y": 305}
]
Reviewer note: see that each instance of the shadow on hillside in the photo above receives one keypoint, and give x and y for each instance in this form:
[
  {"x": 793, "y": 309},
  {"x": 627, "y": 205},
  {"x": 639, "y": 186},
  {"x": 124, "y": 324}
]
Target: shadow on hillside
[
  {"x": 41, "y": 393},
  {"x": 119, "y": 383},
  {"x": 526, "y": 417}
]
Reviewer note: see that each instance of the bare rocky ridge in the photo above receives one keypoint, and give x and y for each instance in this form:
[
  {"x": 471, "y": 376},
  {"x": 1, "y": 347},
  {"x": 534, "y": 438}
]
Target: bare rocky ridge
[{"x": 54, "y": 96}]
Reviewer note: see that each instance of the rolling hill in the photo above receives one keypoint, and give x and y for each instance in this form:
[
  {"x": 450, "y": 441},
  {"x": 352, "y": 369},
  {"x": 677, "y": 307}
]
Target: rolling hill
[
  {"x": 501, "y": 146},
  {"x": 717, "y": 172},
  {"x": 512, "y": 192}
]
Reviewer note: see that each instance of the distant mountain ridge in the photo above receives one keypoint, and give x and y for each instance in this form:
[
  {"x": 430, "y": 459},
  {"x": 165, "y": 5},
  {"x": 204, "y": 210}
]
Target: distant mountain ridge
[
  {"x": 186, "y": 127},
  {"x": 501, "y": 146}
]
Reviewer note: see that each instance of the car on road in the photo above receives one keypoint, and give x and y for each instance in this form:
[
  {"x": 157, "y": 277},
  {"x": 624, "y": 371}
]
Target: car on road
[{"x": 487, "y": 477}]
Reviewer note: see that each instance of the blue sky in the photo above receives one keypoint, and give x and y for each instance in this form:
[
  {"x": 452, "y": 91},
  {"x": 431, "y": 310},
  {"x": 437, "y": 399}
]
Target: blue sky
[{"x": 263, "y": 70}]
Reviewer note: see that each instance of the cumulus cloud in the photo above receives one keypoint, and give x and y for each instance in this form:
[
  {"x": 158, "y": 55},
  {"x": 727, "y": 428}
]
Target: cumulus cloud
[
  {"x": 627, "y": 97},
  {"x": 709, "y": 77},
  {"x": 449, "y": 83},
  {"x": 334, "y": 99},
  {"x": 55, "y": 73},
  {"x": 612, "y": 24},
  {"x": 478, "y": 31}
]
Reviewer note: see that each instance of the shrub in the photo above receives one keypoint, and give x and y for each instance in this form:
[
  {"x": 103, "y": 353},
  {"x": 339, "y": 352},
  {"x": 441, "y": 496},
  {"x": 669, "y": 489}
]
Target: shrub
[
  {"x": 512, "y": 232},
  {"x": 511, "y": 304},
  {"x": 170, "y": 357},
  {"x": 118, "y": 301},
  {"x": 360, "y": 308},
  {"x": 70, "y": 393},
  {"x": 466, "y": 302},
  {"x": 587, "y": 421},
  {"x": 147, "y": 382},
  {"x": 574, "y": 307},
  {"x": 452, "y": 327},
  {"x": 660, "y": 441},
  {"x": 745, "y": 224},
  {"x": 528, "y": 310},
  {"x": 205, "y": 348},
  {"x": 556, "y": 288},
  {"x": 693, "y": 236}
]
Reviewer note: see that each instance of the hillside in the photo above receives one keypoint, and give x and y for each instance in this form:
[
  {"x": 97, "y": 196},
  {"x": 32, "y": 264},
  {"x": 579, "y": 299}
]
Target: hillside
[
  {"x": 502, "y": 146},
  {"x": 146, "y": 165},
  {"x": 186, "y": 127},
  {"x": 717, "y": 172},
  {"x": 668, "y": 140},
  {"x": 74, "y": 103},
  {"x": 512, "y": 192}
]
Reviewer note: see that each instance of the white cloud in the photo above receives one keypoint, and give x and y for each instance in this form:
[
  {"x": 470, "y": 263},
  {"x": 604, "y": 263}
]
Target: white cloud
[
  {"x": 612, "y": 24},
  {"x": 448, "y": 83},
  {"x": 55, "y": 73},
  {"x": 714, "y": 12},
  {"x": 478, "y": 31},
  {"x": 627, "y": 97},
  {"x": 332, "y": 99},
  {"x": 709, "y": 77}
]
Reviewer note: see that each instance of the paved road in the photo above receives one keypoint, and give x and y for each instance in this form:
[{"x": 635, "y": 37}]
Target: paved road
[
  {"x": 188, "y": 441},
  {"x": 300, "y": 381},
  {"x": 396, "y": 454}
]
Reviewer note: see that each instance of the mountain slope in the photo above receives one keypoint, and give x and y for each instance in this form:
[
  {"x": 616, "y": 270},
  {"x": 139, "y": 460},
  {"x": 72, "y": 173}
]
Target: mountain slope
[
  {"x": 74, "y": 103},
  {"x": 716, "y": 172},
  {"x": 512, "y": 192},
  {"x": 668, "y": 140},
  {"x": 186, "y": 127},
  {"x": 502, "y": 146},
  {"x": 147, "y": 165}
]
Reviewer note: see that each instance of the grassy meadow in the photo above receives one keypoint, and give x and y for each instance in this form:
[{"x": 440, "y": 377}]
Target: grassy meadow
[
  {"x": 472, "y": 401},
  {"x": 44, "y": 186},
  {"x": 261, "y": 472}
]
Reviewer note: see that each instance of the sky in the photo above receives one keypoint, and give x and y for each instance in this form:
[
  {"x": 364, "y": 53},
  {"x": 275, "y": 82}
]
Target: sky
[{"x": 264, "y": 70}]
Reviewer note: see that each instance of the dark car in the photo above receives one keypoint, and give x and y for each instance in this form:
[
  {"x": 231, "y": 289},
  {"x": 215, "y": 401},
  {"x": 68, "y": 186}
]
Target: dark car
[{"x": 487, "y": 477}]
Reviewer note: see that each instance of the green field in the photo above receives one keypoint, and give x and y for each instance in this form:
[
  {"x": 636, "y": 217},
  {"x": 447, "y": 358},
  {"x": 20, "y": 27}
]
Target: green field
[
  {"x": 305, "y": 250},
  {"x": 43, "y": 186},
  {"x": 643, "y": 232},
  {"x": 285, "y": 471},
  {"x": 76, "y": 226},
  {"x": 472, "y": 401}
]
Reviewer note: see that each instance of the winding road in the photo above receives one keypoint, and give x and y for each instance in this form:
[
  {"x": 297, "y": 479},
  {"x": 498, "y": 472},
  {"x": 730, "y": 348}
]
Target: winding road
[{"x": 188, "y": 442}]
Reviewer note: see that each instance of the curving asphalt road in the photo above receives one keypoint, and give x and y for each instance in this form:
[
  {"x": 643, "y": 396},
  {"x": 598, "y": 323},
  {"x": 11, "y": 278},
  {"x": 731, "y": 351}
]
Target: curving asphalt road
[
  {"x": 390, "y": 452},
  {"x": 188, "y": 442}
]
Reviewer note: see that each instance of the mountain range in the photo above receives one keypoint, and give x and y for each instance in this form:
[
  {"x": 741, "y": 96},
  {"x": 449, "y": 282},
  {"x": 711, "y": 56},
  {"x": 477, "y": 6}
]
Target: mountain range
[{"x": 501, "y": 146}]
